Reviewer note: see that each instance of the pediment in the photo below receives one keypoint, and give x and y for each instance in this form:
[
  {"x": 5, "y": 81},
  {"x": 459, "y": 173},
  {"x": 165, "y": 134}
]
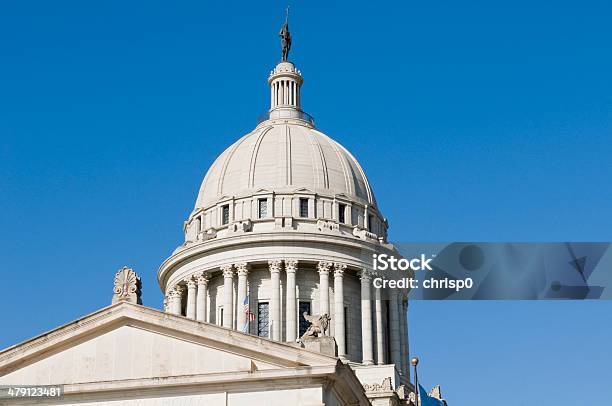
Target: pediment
[
  {"x": 223, "y": 198},
  {"x": 303, "y": 190},
  {"x": 127, "y": 341}
]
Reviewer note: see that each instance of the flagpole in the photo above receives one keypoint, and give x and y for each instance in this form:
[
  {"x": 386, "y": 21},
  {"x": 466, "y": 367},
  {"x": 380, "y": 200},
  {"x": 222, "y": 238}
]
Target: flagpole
[{"x": 415, "y": 361}]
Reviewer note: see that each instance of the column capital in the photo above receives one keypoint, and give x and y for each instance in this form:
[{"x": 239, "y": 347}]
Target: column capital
[
  {"x": 365, "y": 275},
  {"x": 291, "y": 265},
  {"x": 202, "y": 278},
  {"x": 323, "y": 267},
  {"x": 243, "y": 268},
  {"x": 275, "y": 265},
  {"x": 175, "y": 291},
  {"x": 339, "y": 269},
  {"x": 190, "y": 282},
  {"x": 228, "y": 270}
]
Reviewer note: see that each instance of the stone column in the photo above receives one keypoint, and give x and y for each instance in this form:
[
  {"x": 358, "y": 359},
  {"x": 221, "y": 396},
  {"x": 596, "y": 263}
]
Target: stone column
[
  {"x": 201, "y": 297},
  {"x": 291, "y": 314},
  {"x": 228, "y": 296},
  {"x": 339, "y": 321},
  {"x": 394, "y": 339},
  {"x": 404, "y": 339},
  {"x": 366, "y": 317},
  {"x": 380, "y": 349},
  {"x": 323, "y": 268},
  {"x": 175, "y": 300},
  {"x": 275, "y": 311},
  {"x": 243, "y": 272},
  {"x": 191, "y": 298}
]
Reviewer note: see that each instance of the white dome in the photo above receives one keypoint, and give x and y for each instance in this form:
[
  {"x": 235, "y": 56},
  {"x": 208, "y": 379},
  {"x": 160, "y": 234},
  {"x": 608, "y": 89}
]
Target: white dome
[{"x": 285, "y": 156}]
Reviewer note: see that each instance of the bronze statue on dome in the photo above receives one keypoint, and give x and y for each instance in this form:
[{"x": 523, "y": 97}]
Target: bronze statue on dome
[{"x": 285, "y": 37}]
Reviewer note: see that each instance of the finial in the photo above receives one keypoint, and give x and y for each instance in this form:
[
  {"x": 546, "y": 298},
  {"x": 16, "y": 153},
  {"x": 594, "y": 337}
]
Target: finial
[
  {"x": 127, "y": 286},
  {"x": 285, "y": 37}
]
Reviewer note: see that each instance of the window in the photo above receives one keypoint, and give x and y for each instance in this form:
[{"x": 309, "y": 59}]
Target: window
[
  {"x": 225, "y": 214},
  {"x": 303, "y": 307},
  {"x": 370, "y": 220},
  {"x": 263, "y": 208},
  {"x": 341, "y": 213},
  {"x": 303, "y": 207},
  {"x": 220, "y": 321},
  {"x": 263, "y": 319}
]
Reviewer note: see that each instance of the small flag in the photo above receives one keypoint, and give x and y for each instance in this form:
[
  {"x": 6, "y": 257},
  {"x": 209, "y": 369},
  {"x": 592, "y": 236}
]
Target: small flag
[
  {"x": 427, "y": 400},
  {"x": 250, "y": 316}
]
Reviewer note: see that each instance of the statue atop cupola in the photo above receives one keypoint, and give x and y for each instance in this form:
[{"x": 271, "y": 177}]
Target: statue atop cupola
[{"x": 285, "y": 37}]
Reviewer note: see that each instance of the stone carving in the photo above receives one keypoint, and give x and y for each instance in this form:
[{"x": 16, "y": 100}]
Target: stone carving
[
  {"x": 291, "y": 265},
  {"x": 436, "y": 392},
  {"x": 176, "y": 292},
  {"x": 242, "y": 268},
  {"x": 242, "y": 226},
  {"x": 326, "y": 225},
  {"x": 127, "y": 286},
  {"x": 202, "y": 278},
  {"x": 385, "y": 386},
  {"x": 324, "y": 266},
  {"x": 228, "y": 270},
  {"x": 364, "y": 234},
  {"x": 319, "y": 323},
  {"x": 275, "y": 265},
  {"x": 209, "y": 234},
  {"x": 365, "y": 275},
  {"x": 190, "y": 282},
  {"x": 411, "y": 396}
]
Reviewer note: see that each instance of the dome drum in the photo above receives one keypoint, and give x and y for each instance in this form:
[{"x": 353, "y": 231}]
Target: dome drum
[{"x": 301, "y": 211}]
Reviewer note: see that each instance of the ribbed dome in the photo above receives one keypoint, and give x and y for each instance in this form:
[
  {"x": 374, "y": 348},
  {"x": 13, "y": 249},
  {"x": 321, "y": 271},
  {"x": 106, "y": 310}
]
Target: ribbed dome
[{"x": 283, "y": 157}]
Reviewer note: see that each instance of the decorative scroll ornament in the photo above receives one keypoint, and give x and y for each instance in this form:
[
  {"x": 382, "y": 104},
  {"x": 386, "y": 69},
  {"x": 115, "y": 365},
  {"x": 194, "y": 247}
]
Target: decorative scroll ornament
[
  {"x": 339, "y": 269},
  {"x": 291, "y": 265},
  {"x": 228, "y": 270},
  {"x": 242, "y": 268},
  {"x": 366, "y": 275},
  {"x": 127, "y": 286},
  {"x": 275, "y": 265},
  {"x": 202, "y": 278},
  {"x": 324, "y": 267}
]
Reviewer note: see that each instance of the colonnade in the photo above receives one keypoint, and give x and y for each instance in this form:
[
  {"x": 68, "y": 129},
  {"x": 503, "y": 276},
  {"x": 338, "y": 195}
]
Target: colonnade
[{"x": 392, "y": 331}]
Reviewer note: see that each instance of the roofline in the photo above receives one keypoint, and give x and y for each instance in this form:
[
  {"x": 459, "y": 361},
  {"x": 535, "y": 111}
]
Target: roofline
[{"x": 124, "y": 313}]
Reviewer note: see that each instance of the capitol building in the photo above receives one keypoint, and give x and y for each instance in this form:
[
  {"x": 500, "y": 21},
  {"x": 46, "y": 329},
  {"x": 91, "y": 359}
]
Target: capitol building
[{"x": 283, "y": 231}]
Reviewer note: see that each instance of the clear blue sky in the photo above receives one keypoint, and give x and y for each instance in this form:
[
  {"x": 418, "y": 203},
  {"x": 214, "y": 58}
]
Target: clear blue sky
[{"x": 485, "y": 121}]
